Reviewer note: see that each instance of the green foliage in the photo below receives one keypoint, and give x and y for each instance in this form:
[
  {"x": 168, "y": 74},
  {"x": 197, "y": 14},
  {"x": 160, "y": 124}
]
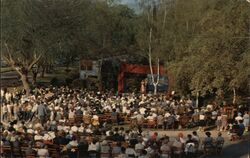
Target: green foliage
[
  {"x": 212, "y": 59},
  {"x": 54, "y": 81},
  {"x": 204, "y": 44},
  {"x": 68, "y": 81}
]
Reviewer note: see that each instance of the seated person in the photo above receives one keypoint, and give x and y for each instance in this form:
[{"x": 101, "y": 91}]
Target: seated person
[
  {"x": 165, "y": 150},
  {"x": 123, "y": 154},
  {"x": 130, "y": 151},
  {"x": 237, "y": 130},
  {"x": 241, "y": 128},
  {"x": 60, "y": 139},
  {"x": 95, "y": 120},
  {"x": 43, "y": 151},
  {"x": 83, "y": 147},
  {"x": 30, "y": 150}
]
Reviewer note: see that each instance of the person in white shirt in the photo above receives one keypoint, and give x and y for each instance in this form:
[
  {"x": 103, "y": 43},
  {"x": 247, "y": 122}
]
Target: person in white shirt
[
  {"x": 71, "y": 114},
  {"x": 8, "y": 96},
  {"x": 246, "y": 120},
  {"x": 139, "y": 118},
  {"x": 238, "y": 118},
  {"x": 214, "y": 116},
  {"x": 139, "y": 147},
  {"x": 130, "y": 152},
  {"x": 160, "y": 121},
  {"x": 202, "y": 121},
  {"x": 142, "y": 110},
  {"x": 4, "y": 112},
  {"x": 9, "y": 108},
  {"x": 166, "y": 150},
  {"x": 105, "y": 149},
  {"x": 2, "y": 93},
  {"x": 94, "y": 146},
  {"x": 43, "y": 151}
]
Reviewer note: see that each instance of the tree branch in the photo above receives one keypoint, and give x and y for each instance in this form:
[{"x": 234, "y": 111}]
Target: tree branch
[
  {"x": 10, "y": 60},
  {"x": 150, "y": 55},
  {"x": 36, "y": 59},
  {"x": 158, "y": 71}
]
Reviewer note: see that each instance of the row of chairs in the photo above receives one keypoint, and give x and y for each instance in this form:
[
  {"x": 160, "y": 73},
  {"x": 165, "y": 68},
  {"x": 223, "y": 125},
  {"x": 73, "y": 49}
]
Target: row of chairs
[
  {"x": 12, "y": 152},
  {"x": 107, "y": 117},
  {"x": 55, "y": 151}
]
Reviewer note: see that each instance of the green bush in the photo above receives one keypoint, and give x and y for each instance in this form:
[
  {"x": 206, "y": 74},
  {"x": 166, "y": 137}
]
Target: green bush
[
  {"x": 75, "y": 76},
  {"x": 79, "y": 83},
  {"x": 54, "y": 81},
  {"x": 68, "y": 81}
]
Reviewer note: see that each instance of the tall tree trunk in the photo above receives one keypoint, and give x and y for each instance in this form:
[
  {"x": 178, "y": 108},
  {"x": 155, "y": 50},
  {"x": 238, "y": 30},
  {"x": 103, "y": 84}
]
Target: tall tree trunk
[
  {"x": 99, "y": 75},
  {"x": 34, "y": 77},
  {"x": 35, "y": 71},
  {"x": 26, "y": 86},
  {"x": 47, "y": 69},
  {"x": 21, "y": 67},
  {"x": 43, "y": 71},
  {"x": 197, "y": 99},
  {"x": 155, "y": 89},
  {"x": 51, "y": 67},
  {"x": 234, "y": 98},
  {"x": 150, "y": 64}
]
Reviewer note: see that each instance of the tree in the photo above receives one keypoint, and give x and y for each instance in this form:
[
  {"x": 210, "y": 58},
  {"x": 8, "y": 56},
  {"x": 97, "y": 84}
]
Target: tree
[
  {"x": 151, "y": 37},
  {"x": 207, "y": 61},
  {"x": 109, "y": 32},
  {"x": 21, "y": 29}
]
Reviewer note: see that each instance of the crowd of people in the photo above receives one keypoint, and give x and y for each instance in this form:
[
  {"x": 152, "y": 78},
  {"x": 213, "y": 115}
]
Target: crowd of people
[{"x": 49, "y": 117}]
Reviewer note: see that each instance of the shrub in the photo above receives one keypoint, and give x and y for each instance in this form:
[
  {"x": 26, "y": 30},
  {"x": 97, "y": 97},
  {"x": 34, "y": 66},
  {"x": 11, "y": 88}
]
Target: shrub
[
  {"x": 68, "y": 81},
  {"x": 54, "y": 81}
]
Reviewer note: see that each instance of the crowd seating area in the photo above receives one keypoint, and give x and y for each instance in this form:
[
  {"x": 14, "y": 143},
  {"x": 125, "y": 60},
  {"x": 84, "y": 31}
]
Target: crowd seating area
[{"x": 64, "y": 122}]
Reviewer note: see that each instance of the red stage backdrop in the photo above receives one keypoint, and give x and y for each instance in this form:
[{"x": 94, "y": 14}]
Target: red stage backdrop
[{"x": 133, "y": 68}]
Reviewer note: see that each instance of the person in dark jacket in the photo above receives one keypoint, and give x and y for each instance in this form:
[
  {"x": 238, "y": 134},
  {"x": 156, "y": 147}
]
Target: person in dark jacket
[{"x": 41, "y": 112}]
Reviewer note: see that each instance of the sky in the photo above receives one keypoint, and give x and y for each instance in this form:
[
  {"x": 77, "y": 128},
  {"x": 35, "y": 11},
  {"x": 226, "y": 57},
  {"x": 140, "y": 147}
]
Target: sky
[
  {"x": 131, "y": 3},
  {"x": 128, "y": 1}
]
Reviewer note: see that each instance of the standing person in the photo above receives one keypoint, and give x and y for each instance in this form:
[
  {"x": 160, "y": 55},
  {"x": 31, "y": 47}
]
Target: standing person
[
  {"x": 219, "y": 123},
  {"x": 224, "y": 121},
  {"x": 246, "y": 120},
  {"x": 4, "y": 112},
  {"x": 33, "y": 111},
  {"x": 219, "y": 142},
  {"x": 238, "y": 118},
  {"x": 195, "y": 136},
  {"x": 2, "y": 94},
  {"x": 41, "y": 112},
  {"x": 15, "y": 110},
  {"x": 9, "y": 108},
  {"x": 208, "y": 142},
  {"x": 8, "y": 96}
]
